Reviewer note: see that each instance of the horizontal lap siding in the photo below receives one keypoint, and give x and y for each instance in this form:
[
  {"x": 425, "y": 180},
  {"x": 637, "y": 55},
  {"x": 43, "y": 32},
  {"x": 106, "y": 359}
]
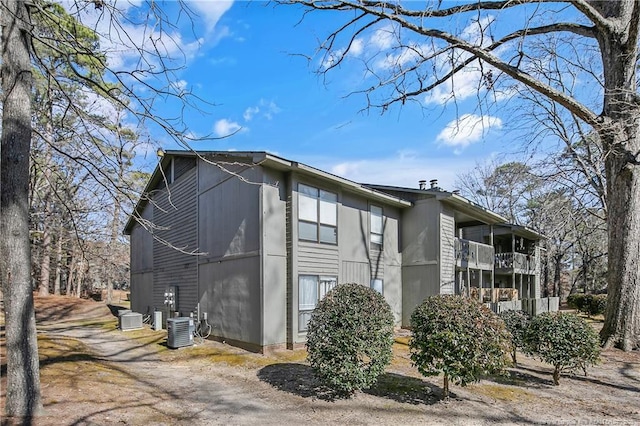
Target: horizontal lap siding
[
  {"x": 317, "y": 259},
  {"x": 171, "y": 267}
]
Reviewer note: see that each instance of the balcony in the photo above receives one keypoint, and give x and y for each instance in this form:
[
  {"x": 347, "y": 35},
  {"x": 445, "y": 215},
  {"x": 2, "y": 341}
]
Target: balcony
[
  {"x": 470, "y": 254},
  {"x": 518, "y": 263}
]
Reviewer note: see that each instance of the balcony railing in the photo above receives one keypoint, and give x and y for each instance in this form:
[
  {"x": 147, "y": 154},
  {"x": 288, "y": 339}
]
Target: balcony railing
[
  {"x": 519, "y": 262},
  {"x": 474, "y": 255}
]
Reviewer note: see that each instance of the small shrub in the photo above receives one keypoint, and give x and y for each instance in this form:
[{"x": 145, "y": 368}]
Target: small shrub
[
  {"x": 590, "y": 304},
  {"x": 563, "y": 340},
  {"x": 597, "y": 305},
  {"x": 516, "y": 323},
  {"x": 458, "y": 337},
  {"x": 350, "y": 338},
  {"x": 576, "y": 301}
]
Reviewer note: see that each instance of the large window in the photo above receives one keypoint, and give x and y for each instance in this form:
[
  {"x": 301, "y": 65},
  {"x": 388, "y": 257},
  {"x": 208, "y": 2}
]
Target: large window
[
  {"x": 376, "y": 227},
  {"x": 317, "y": 215},
  {"x": 311, "y": 289}
]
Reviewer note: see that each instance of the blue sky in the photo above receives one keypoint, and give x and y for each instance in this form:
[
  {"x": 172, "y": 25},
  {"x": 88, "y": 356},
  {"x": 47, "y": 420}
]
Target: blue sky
[{"x": 248, "y": 62}]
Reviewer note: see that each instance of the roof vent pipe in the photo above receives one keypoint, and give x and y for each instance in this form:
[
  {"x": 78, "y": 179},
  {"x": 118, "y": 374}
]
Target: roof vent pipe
[
  {"x": 422, "y": 184},
  {"x": 434, "y": 183}
]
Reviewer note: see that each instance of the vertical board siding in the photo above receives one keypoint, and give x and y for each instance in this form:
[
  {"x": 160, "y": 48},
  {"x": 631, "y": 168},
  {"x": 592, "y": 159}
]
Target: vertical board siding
[
  {"x": 175, "y": 216},
  {"x": 355, "y": 272},
  {"x": 447, "y": 252}
]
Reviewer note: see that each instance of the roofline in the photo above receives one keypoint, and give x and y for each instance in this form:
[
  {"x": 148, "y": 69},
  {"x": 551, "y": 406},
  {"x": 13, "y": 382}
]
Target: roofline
[
  {"x": 266, "y": 159},
  {"x": 482, "y": 213}
]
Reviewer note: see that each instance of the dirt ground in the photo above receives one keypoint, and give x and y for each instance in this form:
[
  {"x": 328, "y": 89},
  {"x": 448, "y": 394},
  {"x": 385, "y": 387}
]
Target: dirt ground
[{"x": 94, "y": 374}]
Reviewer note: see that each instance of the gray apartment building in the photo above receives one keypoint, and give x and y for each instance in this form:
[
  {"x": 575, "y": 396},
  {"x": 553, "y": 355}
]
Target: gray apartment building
[{"x": 256, "y": 240}]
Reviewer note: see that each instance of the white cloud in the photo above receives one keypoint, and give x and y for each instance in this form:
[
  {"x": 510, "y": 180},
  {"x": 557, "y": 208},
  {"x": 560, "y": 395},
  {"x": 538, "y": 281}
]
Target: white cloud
[
  {"x": 250, "y": 112},
  {"x": 211, "y": 11},
  {"x": 404, "y": 169},
  {"x": 357, "y": 47},
  {"x": 461, "y": 86},
  {"x": 224, "y": 127},
  {"x": 478, "y": 32},
  {"x": 383, "y": 38},
  {"x": 267, "y": 109},
  {"x": 467, "y": 129}
]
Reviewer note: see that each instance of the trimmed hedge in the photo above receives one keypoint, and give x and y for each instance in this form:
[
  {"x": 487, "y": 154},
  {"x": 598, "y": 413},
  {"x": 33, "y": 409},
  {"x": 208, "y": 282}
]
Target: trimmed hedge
[
  {"x": 350, "y": 338},
  {"x": 458, "y": 337},
  {"x": 517, "y": 323},
  {"x": 590, "y": 304},
  {"x": 563, "y": 340}
]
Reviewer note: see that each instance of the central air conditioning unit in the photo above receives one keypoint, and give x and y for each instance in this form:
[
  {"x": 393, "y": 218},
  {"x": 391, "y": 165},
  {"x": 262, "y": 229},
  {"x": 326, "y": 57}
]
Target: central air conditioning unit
[
  {"x": 180, "y": 332},
  {"x": 130, "y": 321}
]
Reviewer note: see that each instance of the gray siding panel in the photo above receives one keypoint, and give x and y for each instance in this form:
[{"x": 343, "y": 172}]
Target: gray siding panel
[
  {"x": 142, "y": 292},
  {"x": 317, "y": 259},
  {"x": 230, "y": 294},
  {"x": 447, "y": 252},
  {"x": 175, "y": 216},
  {"x": 355, "y": 272}
]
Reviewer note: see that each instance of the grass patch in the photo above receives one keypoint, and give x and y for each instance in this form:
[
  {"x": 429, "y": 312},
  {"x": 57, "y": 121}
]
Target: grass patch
[
  {"x": 216, "y": 353},
  {"x": 68, "y": 363},
  {"x": 502, "y": 393}
]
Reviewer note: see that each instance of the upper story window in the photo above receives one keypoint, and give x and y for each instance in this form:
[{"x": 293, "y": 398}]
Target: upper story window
[
  {"x": 376, "y": 227},
  {"x": 317, "y": 215}
]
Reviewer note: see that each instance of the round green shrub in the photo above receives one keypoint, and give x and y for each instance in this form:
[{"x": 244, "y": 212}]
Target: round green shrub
[
  {"x": 563, "y": 340},
  {"x": 590, "y": 304},
  {"x": 350, "y": 338},
  {"x": 597, "y": 304},
  {"x": 517, "y": 323},
  {"x": 576, "y": 301},
  {"x": 458, "y": 337}
]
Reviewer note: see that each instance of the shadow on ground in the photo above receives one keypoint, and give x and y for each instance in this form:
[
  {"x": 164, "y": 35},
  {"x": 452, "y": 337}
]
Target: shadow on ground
[{"x": 299, "y": 379}]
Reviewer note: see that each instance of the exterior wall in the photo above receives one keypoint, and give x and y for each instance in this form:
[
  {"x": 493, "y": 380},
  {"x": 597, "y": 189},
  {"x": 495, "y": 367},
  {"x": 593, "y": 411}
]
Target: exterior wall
[
  {"x": 420, "y": 254},
  {"x": 175, "y": 220},
  {"x": 141, "y": 255},
  {"x": 274, "y": 260},
  {"x": 229, "y": 275},
  {"x": 447, "y": 252},
  {"x": 351, "y": 259}
]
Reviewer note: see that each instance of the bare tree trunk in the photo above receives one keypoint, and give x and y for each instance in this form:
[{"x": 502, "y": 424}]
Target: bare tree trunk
[
  {"x": 80, "y": 271},
  {"x": 620, "y": 136},
  {"x": 23, "y": 374},
  {"x": 557, "y": 276},
  {"x": 58, "y": 277},
  {"x": 45, "y": 262}
]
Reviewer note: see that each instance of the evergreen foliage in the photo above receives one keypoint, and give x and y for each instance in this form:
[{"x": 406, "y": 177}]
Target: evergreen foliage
[
  {"x": 563, "y": 340},
  {"x": 459, "y": 338},
  {"x": 516, "y": 323},
  {"x": 350, "y": 338}
]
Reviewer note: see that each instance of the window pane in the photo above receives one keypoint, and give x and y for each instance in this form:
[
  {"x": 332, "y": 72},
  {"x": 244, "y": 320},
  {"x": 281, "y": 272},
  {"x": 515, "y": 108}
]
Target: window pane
[
  {"x": 303, "y": 320},
  {"x": 308, "y": 190},
  {"x": 307, "y": 231},
  {"x": 328, "y": 234},
  {"x": 307, "y": 292},
  {"x": 376, "y": 220},
  {"x": 328, "y": 213},
  {"x": 307, "y": 208},
  {"x": 376, "y": 284},
  {"x": 328, "y": 196},
  {"x": 376, "y": 239},
  {"x": 326, "y": 284}
]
